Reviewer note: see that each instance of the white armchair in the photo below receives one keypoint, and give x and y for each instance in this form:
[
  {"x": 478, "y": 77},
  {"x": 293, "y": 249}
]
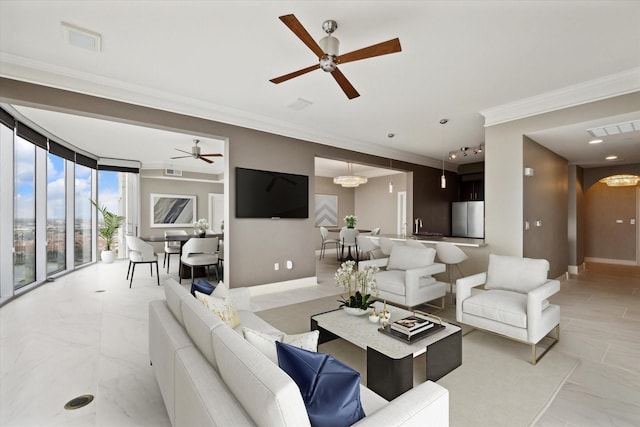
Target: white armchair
[
  {"x": 405, "y": 276},
  {"x": 514, "y": 301}
]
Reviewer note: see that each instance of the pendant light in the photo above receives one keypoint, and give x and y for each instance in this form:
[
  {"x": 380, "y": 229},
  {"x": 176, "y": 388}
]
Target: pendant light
[
  {"x": 390, "y": 181},
  {"x": 443, "y": 179}
]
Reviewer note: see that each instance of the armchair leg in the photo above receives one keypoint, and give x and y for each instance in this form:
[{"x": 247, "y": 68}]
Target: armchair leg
[
  {"x": 157, "y": 273},
  {"x": 555, "y": 338}
]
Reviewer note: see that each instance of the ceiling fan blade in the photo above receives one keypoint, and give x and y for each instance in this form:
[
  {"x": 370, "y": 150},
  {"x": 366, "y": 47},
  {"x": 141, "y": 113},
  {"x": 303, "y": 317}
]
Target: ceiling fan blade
[
  {"x": 294, "y": 25},
  {"x": 206, "y": 160},
  {"x": 348, "y": 89},
  {"x": 212, "y": 155},
  {"x": 181, "y": 157},
  {"x": 182, "y": 151},
  {"x": 294, "y": 74},
  {"x": 384, "y": 48}
]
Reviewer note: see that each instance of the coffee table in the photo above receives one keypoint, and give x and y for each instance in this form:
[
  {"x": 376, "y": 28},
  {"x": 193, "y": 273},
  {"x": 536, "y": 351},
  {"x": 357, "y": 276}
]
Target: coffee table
[{"x": 389, "y": 360}]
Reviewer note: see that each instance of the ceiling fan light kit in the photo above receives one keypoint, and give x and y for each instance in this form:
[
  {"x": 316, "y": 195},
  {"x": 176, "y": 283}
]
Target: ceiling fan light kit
[{"x": 327, "y": 49}]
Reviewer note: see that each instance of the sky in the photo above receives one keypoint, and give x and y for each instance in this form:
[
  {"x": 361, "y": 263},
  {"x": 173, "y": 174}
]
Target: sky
[{"x": 108, "y": 193}]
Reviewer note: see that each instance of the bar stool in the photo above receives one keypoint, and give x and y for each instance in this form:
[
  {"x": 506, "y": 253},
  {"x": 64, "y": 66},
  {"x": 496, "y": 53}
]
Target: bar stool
[{"x": 451, "y": 255}]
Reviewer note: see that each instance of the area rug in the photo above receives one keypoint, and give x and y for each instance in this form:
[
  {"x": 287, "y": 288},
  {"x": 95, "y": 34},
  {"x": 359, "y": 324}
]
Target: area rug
[{"x": 495, "y": 386}]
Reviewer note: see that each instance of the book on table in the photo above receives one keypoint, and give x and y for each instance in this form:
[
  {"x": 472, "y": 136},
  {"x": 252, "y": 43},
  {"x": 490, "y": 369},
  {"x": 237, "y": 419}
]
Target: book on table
[{"x": 412, "y": 325}]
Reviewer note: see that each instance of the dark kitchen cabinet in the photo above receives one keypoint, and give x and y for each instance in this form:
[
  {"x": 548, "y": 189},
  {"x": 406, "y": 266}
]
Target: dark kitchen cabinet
[{"x": 471, "y": 187}]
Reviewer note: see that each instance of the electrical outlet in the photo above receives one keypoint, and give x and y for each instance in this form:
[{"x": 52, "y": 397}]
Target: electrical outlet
[
  {"x": 276, "y": 266},
  {"x": 289, "y": 265}
]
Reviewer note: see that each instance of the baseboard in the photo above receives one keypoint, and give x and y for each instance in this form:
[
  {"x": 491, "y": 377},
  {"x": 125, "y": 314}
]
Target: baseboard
[
  {"x": 283, "y": 286},
  {"x": 612, "y": 261},
  {"x": 576, "y": 269}
]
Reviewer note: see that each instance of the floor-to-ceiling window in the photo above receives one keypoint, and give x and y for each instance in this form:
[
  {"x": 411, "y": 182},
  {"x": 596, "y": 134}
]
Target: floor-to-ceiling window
[
  {"x": 110, "y": 196},
  {"x": 24, "y": 223},
  {"x": 56, "y": 214},
  {"x": 83, "y": 218}
]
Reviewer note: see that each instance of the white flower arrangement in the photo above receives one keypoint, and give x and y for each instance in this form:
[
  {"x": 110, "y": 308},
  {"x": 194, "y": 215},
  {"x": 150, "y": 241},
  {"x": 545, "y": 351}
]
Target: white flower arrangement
[
  {"x": 359, "y": 285},
  {"x": 201, "y": 225},
  {"x": 351, "y": 220}
]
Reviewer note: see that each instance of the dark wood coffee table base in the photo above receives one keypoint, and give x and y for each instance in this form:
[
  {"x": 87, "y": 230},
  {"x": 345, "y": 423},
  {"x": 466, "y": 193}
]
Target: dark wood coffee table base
[{"x": 390, "y": 377}]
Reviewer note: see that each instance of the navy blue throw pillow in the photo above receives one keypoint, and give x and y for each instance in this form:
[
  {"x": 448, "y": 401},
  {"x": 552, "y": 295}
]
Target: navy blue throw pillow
[
  {"x": 202, "y": 286},
  {"x": 330, "y": 389}
]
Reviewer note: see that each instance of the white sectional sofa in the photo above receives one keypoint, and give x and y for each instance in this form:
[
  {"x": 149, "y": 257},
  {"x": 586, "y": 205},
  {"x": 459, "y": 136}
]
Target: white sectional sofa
[{"x": 209, "y": 375}]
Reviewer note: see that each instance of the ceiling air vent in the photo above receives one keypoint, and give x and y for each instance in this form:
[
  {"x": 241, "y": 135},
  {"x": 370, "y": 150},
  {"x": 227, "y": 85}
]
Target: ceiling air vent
[{"x": 173, "y": 172}]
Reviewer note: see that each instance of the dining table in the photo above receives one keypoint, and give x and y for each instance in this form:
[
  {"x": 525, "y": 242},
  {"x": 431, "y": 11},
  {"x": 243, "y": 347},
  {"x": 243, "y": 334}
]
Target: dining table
[{"x": 184, "y": 272}]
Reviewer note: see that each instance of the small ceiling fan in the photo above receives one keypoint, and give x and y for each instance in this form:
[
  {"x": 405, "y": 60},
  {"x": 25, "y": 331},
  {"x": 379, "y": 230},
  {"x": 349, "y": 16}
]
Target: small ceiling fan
[
  {"x": 195, "y": 153},
  {"x": 327, "y": 52}
]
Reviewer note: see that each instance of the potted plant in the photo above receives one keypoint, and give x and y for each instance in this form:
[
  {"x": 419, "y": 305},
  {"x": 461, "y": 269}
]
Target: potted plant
[
  {"x": 359, "y": 286},
  {"x": 351, "y": 221},
  {"x": 111, "y": 224}
]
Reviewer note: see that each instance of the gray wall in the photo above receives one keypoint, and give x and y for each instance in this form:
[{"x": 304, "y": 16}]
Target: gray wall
[
  {"x": 252, "y": 246},
  {"x": 575, "y": 221},
  {"x": 545, "y": 199},
  {"x": 504, "y": 159},
  {"x": 154, "y": 181},
  {"x": 376, "y": 207}
]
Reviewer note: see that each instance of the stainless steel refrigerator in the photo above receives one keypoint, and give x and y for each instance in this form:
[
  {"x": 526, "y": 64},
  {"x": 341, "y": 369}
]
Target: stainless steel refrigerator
[{"x": 467, "y": 219}]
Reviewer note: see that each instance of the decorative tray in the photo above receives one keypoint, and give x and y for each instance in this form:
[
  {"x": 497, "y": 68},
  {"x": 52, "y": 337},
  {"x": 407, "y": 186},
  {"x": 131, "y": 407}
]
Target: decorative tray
[{"x": 410, "y": 339}]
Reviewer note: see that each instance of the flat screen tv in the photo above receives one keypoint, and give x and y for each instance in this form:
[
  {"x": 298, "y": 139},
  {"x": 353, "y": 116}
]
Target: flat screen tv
[{"x": 267, "y": 194}]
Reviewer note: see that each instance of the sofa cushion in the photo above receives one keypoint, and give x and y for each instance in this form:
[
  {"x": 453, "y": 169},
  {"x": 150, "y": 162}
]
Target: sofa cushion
[
  {"x": 173, "y": 292},
  {"x": 221, "y": 307},
  {"x": 516, "y": 274},
  {"x": 501, "y": 306},
  {"x": 265, "y": 391},
  {"x": 202, "y": 286},
  {"x": 391, "y": 281},
  {"x": 248, "y": 319},
  {"x": 199, "y": 322},
  {"x": 409, "y": 257},
  {"x": 329, "y": 388},
  {"x": 240, "y": 297}
]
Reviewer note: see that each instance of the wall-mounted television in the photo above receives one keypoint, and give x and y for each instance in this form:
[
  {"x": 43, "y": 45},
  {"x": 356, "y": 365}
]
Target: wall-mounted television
[{"x": 268, "y": 194}]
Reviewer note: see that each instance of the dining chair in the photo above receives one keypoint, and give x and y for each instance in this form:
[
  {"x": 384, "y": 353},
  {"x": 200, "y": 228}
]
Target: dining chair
[
  {"x": 141, "y": 252},
  {"x": 324, "y": 233},
  {"x": 200, "y": 252},
  {"x": 375, "y": 231},
  {"x": 348, "y": 239},
  {"x": 171, "y": 247}
]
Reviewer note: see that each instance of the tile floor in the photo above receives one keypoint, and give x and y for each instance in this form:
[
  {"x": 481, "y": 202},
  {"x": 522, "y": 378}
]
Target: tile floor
[{"x": 86, "y": 333}]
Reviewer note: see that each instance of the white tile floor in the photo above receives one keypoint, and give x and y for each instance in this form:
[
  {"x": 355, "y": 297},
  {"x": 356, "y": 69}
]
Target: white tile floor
[{"x": 86, "y": 333}]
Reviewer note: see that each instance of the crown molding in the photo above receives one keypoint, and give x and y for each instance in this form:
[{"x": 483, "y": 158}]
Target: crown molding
[
  {"x": 582, "y": 93},
  {"x": 37, "y": 72}
]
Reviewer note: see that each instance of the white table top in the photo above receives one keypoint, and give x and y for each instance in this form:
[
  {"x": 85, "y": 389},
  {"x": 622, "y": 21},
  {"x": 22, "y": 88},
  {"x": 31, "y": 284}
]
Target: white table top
[{"x": 359, "y": 331}]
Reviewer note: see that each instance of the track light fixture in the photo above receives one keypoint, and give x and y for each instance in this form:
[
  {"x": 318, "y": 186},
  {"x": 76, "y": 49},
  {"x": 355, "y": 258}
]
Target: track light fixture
[{"x": 465, "y": 151}]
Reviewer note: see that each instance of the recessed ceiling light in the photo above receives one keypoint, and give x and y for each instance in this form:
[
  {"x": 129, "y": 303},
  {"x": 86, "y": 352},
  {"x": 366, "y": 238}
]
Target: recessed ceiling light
[
  {"x": 391, "y": 135},
  {"x": 595, "y": 141},
  {"x": 611, "y": 158},
  {"x": 80, "y": 37}
]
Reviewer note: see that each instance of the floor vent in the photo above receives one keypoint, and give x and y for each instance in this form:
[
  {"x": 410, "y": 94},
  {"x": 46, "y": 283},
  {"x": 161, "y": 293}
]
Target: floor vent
[{"x": 79, "y": 402}]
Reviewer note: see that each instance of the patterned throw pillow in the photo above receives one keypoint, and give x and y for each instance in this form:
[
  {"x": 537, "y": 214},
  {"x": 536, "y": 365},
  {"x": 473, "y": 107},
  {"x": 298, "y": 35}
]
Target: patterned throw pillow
[{"x": 221, "y": 307}]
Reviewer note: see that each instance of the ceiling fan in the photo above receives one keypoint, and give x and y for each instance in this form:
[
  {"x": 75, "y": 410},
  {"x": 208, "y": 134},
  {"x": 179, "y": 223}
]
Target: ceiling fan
[
  {"x": 195, "y": 153},
  {"x": 327, "y": 52}
]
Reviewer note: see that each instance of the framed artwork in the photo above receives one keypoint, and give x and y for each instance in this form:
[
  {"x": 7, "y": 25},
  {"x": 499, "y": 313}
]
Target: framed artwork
[
  {"x": 172, "y": 210},
  {"x": 326, "y": 210}
]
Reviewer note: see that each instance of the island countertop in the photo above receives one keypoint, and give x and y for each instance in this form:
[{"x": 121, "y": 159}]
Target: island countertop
[{"x": 458, "y": 241}]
